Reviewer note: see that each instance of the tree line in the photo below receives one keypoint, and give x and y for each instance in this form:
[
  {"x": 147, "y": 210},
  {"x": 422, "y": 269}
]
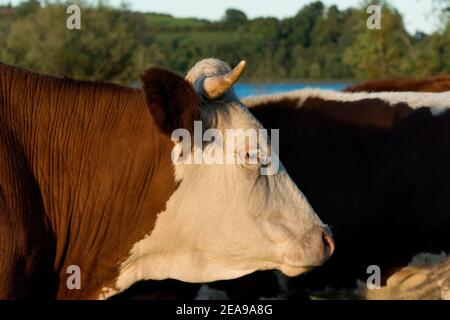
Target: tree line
[{"x": 317, "y": 43}]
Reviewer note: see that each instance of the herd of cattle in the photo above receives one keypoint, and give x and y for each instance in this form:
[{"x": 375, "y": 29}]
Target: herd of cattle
[{"x": 86, "y": 180}]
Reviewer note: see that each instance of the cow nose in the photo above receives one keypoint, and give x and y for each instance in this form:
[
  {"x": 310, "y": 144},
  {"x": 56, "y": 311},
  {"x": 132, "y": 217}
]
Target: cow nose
[
  {"x": 328, "y": 243},
  {"x": 320, "y": 245}
]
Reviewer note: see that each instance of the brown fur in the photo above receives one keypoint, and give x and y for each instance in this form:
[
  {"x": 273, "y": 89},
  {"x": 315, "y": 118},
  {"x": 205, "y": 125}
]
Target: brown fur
[
  {"x": 431, "y": 84},
  {"x": 187, "y": 110},
  {"x": 83, "y": 172}
]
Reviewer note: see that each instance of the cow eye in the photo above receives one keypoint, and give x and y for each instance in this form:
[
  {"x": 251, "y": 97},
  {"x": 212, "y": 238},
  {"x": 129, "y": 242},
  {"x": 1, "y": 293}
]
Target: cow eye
[{"x": 252, "y": 156}]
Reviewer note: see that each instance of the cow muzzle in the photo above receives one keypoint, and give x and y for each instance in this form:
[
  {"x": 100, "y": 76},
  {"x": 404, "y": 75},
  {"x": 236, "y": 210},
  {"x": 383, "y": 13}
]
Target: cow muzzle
[{"x": 311, "y": 250}]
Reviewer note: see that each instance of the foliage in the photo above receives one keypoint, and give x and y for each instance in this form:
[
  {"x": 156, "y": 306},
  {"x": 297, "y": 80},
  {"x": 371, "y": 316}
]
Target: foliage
[
  {"x": 318, "y": 42},
  {"x": 234, "y": 18}
]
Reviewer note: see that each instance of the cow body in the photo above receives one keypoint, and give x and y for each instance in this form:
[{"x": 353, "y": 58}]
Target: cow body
[
  {"x": 430, "y": 84},
  {"x": 68, "y": 144},
  {"x": 88, "y": 182},
  {"x": 375, "y": 166}
]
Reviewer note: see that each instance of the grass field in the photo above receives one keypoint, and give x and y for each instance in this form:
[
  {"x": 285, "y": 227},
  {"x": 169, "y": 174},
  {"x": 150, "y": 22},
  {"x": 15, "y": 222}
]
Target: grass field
[{"x": 167, "y": 21}]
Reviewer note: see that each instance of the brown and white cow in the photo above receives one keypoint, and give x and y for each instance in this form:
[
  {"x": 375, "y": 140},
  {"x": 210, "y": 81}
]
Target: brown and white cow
[
  {"x": 374, "y": 166},
  {"x": 430, "y": 84},
  {"x": 87, "y": 183}
]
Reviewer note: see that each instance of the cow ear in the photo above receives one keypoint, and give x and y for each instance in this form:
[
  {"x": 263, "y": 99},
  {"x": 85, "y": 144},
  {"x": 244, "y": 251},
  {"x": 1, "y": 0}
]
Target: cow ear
[{"x": 172, "y": 100}]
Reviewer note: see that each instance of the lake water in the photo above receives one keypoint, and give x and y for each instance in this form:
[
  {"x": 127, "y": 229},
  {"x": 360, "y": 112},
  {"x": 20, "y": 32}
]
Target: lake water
[{"x": 245, "y": 89}]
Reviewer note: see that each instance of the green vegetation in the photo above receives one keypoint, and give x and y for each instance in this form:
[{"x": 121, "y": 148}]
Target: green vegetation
[{"x": 317, "y": 42}]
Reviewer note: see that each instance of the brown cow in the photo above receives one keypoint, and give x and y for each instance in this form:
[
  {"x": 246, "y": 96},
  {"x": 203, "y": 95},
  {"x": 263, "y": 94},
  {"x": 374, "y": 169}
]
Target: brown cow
[
  {"x": 431, "y": 84},
  {"x": 95, "y": 196}
]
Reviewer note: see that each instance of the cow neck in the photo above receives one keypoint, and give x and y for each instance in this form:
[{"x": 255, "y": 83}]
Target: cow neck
[{"x": 102, "y": 168}]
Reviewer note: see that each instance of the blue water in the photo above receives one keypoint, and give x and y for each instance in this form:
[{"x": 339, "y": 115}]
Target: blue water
[{"x": 246, "y": 90}]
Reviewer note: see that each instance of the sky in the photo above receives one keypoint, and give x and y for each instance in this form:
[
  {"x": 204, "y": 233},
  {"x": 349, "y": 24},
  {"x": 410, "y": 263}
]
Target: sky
[{"x": 417, "y": 14}]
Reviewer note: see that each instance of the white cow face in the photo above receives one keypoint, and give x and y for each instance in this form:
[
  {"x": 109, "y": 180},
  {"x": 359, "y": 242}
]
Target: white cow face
[{"x": 227, "y": 220}]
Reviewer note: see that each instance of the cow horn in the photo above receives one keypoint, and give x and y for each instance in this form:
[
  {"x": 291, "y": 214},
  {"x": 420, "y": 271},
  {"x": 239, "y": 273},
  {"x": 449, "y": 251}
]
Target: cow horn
[{"x": 215, "y": 86}]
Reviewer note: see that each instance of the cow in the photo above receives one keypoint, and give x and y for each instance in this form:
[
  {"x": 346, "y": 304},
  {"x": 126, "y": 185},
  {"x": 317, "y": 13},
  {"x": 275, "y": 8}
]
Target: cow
[
  {"x": 427, "y": 277},
  {"x": 94, "y": 197},
  {"x": 374, "y": 166},
  {"x": 430, "y": 84}
]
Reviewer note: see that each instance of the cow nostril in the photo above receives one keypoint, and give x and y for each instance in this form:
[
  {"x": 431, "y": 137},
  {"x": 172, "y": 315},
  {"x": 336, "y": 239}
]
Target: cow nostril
[{"x": 328, "y": 244}]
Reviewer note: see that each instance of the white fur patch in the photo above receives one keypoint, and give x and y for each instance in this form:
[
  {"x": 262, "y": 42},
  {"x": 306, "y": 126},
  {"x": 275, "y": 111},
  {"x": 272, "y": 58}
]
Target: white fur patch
[
  {"x": 412, "y": 99},
  {"x": 436, "y": 112}
]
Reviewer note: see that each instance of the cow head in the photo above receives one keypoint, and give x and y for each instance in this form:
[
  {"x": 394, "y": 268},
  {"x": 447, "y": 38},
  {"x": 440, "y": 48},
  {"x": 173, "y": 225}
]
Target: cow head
[{"x": 224, "y": 220}]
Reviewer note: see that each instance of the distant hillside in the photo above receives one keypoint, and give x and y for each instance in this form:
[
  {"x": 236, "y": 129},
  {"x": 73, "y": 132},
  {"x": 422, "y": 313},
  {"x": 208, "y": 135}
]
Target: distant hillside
[
  {"x": 167, "y": 22},
  {"x": 317, "y": 43}
]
